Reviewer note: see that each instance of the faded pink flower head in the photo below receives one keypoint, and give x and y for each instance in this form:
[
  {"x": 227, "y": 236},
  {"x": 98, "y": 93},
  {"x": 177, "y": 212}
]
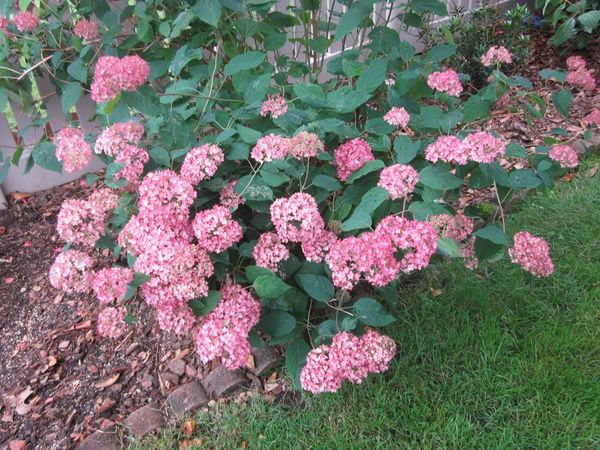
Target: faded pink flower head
[
  {"x": 270, "y": 147},
  {"x": 448, "y": 149},
  {"x": 114, "y": 75},
  {"x": 532, "y": 254},
  {"x": 576, "y": 62},
  {"x": 274, "y": 105},
  {"x": 458, "y": 227},
  {"x": 446, "y": 81},
  {"x": 269, "y": 251},
  {"x": 306, "y": 145},
  {"x": 72, "y": 149},
  {"x": 565, "y": 155},
  {"x": 351, "y": 156},
  {"x": 111, "y": 284},
  {"x": 229, "y": 198},
  {"x": 71, "y": 272},
  {"x": 86, "y": 29},
  {"x": 111, "y": 322},
  {"x": 134, "y": 159},
  {"x": 215, "y": 229},
  {"x": 201, "y": 163},
  {"x": 399, "y": 180},
  {"x": 592, "y": 118},
  {"x": 296, "y": 218},
  {"x": 398, "y": 117},
  {"x": 114, "y": 138},
  {"x": 26, "y": 21},
  {"x": 483, "y": 147},
  {"x": 496, "y": 55}
]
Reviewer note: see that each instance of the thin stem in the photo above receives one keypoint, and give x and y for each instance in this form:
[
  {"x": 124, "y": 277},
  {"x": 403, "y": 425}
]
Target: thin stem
[{"x": 500, "y": 206}]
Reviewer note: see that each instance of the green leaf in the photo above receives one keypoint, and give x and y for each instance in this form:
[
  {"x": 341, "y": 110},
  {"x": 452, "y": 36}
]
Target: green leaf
[
  {"x": 353, "y": 18},
  {"x": 346, "y": 99},
  {"x": 311, "y": 94},
  {"x": 370, "y": 312},
  {"x": 562, "y": 101},
  {"x": 373, "y": 77},
  {"x": 477, "y": 107},
  {"x": 423, "y": 210},
  {"x": 203, "y": 306},
  {"x": 295, "y": 359},
  {"x": 565, "y": 32},
  {"x": 182, "y": 58},
  {"x": 558, "y": 75},
  {"x": 208, "y": 11},
  {"x": 358, "y": 221},
  {"x": 245, "y": 61},
  {"x": 440, "y": 52},
  {"x": 516, "y": 150},
  {"x": 524, "y": 179},
  {"x": 253, "y": 188},
  {"x": 438, "y": 176},
  {"x": 371, "y": 200},
  {"x": 270, "y": 286},
  {"x": 378, "y": 127},
  {"x": 370, "y": 166},
  {"x": 78, "y": 70},
  {"x": 44, "y": 156},
  {"x": 160, "y": 156},
  {"x": 448, "y": 247},
  {"x": 436, "y": 7},
  {"x": 405, "y": 149},
  {"x": 493, "y": 234},
  {"x": 317, "y": 286},
  {"x": 589, "y": 20},
  {"x": 253, "y": 272},
  {"x": 326, "y": 182},
  {"x": 277, "y": 323},
  {"x": 70, "y": 96}
]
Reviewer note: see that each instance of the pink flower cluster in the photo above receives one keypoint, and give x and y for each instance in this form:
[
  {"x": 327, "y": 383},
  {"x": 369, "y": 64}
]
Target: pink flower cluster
[
  {"x": 111, "y": 322},
  {"x": 274, "y": 105},
  {"x": 398, "y": 117},
  {"x": 446, "y": 81},
  {"x": 351, "y": 156},
  {"x": 223, "y": 333},
  {"x": 26, "y": 21},
  {"x": 72, "y": 272},
  {"x": 399, "y": 180},
  {"x": 348, "y": 358},
  {"x": 114, "y": 138},
  {"x": 459, "y": 228},
  {"x": 84, "y": 221},
  {"x": 372, "y": 255},
  {"x": 86, "y": 29},
  {"x": 72, "y": 149},
  {"x": 565, "y": 155},
  {"x": 274, "y": 146},
  {"x": 201, "y": 163},
  {"x": 592, "y": 118},
  {"x": 496, "y": 55},
  {"x": 229, "y": 198},
  {"x": 114, "y": 75},
  {"x": 4, "y": 26},
  {"x": 215, "y": 230},
  {"x": 532, "y": 254},
  {"x": 306, "y": 145},
  {"x": 110, "y": 284},
  {"x": 482, "y": 147},
  {"x": 269, "y": 251},
  {"x": 467, "y": 249},
  {"x": 579, "y": 75},
  {"x": 134, "y": 159}
]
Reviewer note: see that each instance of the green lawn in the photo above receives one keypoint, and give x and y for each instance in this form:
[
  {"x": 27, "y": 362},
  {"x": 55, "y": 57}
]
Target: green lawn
[{"x": 499, "y": 360}]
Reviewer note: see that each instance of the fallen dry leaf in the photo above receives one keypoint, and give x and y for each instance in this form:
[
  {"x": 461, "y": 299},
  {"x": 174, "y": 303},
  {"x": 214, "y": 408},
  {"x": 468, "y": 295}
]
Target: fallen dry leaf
[
  {"x": 108, "y": 381},
  {"x": 568, "y": 177},
  {"x": 250, "y": 364},
  {"x": 188, "y": 427},
  {"x": 106, "y": 404},
  {"x": 592, "y": 172},
  {"x": 19, "y": 196},
  {"x": 435, "y": 292}
]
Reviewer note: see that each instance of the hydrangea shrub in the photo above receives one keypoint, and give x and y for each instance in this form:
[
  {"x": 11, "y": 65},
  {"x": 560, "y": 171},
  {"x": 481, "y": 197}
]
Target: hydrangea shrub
[{"x": 256, "y": 198}]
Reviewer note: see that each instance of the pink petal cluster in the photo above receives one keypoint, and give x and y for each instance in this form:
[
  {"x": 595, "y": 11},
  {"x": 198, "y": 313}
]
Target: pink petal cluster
[
  {"x": 458, "y": 227},
  {"x": 4, "y": 22},
  {"x": 71, "y": 272},
  {"x": 114, "y": 75},
  {"x": 111, "y": 322},
  {"x": 496, "y": 55},
  {"x": 26, "y": 21},
  {"x": 270, "y": 147},
  {"x": 269, "y": 251},
  {"x": 467, "y": 248},
  {"x": 579, "y": 75},
  {"x": 306, "y": 145},
  {"x": 134, "y": 159},
  {"x": 223, "y": 333},
  {"x": 229, "y": 198},
  {"x": 72, "y": 149},
  {"x": 110, "y": 284},
  {"x": 399, "y": 180},
  {"x": 114, "y": 138},
  {"x": 86, "y": 29},
  {"x": 398, "y": 117},
  {"x": 447, "y": 149},
  {"x": 532, "y": 254},
  {"x": 372, "y": 255},
  {"x": 351, "y": 156},
  {"x": 446, "y": 81},
  {"x": 592, "y": 118},
  {"x": 274, "y": 105},
  {"x": 215, "y": 229},
  {"x": 165, "y": 188},
  {"x": 483, "y": 147},
  {"x": 348, "y": 358},
  {"x": 201, "y": 163},
  {"x": 565, "y": 155}
]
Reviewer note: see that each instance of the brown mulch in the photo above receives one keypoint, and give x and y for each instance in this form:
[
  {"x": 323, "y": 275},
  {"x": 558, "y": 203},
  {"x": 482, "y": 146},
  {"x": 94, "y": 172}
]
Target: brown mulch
[{"x": 59, "y": 382}]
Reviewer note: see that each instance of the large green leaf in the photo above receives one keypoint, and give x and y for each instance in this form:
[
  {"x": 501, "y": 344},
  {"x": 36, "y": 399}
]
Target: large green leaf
[
  {"x": 317, "y": 286},
  {"x": 373, "y": 77},
  {"x": 370, "y": 166},
  {"x": 589, "y": 20},
  {"x": 493, "y": 234},
  {"x": 70, "y": 96},
  {"x": 208, "y": 11},
  {"x": 44, "y": 156},
  {"x": 440, "y": 52},
  {"x": 326, "y": 182},
  {"x": 277, "y": 323},
  {"x": 350, "y": 21},
  {"x": 370, "y": 312},
  {"x": 245, "y": 61},
  {"x": 565, "y": 32},
  {"x": 438, "y": 176},
  {"x": 269, "y": 286},
  {"x": 405, "y": 149},
  {"x": 562, "y": 101},
  {"x": 295, "y": 359}
]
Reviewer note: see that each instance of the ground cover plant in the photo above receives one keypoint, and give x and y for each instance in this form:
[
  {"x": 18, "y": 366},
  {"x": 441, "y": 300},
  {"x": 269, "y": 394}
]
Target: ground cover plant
[{"x": 255, "y": 198}]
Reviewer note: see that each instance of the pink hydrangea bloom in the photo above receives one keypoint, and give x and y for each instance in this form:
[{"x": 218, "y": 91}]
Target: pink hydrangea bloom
[
  {"x": 565, "y": 155},
  {"x": 71, "y": 272},
  {"x": 215, "y": 230},
  {"x": 306, "y": 145},
  {"x": 111, "y": 322},
  {"x": 467, "y": 249},
  {"x": 26, "y": 21},
  {"x": 348, "y": 358},
  {"x": 446, "y": 81},
  {"x": 458, "y": 227},
  {"x": 201, "y": 163},
  {"x": 134, "y": 159},
  {"x": 296, "y": 218},
  {"x": 496, "y": 55},
  {"x": 175, "y": 318},
  {"x": 532, "y": 254},
  {"x": 576, "y": 62},
  {"x": 111, "y": 284},
  {"x": 483, "y": 147},
  {"x": 4, "y": 26},
  {"x": 316, "y": 246},
  {"x": 579, "y": 75},
  {"x": 399, "y": 180},
  {"x": 269, "y": 251},
  {"x": 165, "y": 188},
  {"x": 592, "y": 118},
  {"x": 229, "y": 198},
  {"x": 113, "y": 139},
  {"x": 398, "y": 117},
  {"x": 86, "y": 29},
  {"x": 223, "y": 333},
  {"x": 448, "y": 149},
  {"x": 351, "y": 156},
  {"x": 114, "y": 75},
  {"x": 102, "y": 201},
  {"x": 270, "y": 147},
  {"x": 72, "y": 149},
  {"x": 79, "y": 224},
  {"x": 274, "y": 105}
]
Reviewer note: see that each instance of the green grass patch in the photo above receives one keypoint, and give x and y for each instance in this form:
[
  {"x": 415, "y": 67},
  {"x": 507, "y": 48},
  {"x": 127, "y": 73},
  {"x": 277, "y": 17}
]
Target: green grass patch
[{"x": 499, "y": 360}]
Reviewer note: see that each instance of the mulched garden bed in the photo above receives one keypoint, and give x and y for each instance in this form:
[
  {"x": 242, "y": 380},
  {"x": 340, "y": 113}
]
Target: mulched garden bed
[{"x": 60, "y": 382}]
